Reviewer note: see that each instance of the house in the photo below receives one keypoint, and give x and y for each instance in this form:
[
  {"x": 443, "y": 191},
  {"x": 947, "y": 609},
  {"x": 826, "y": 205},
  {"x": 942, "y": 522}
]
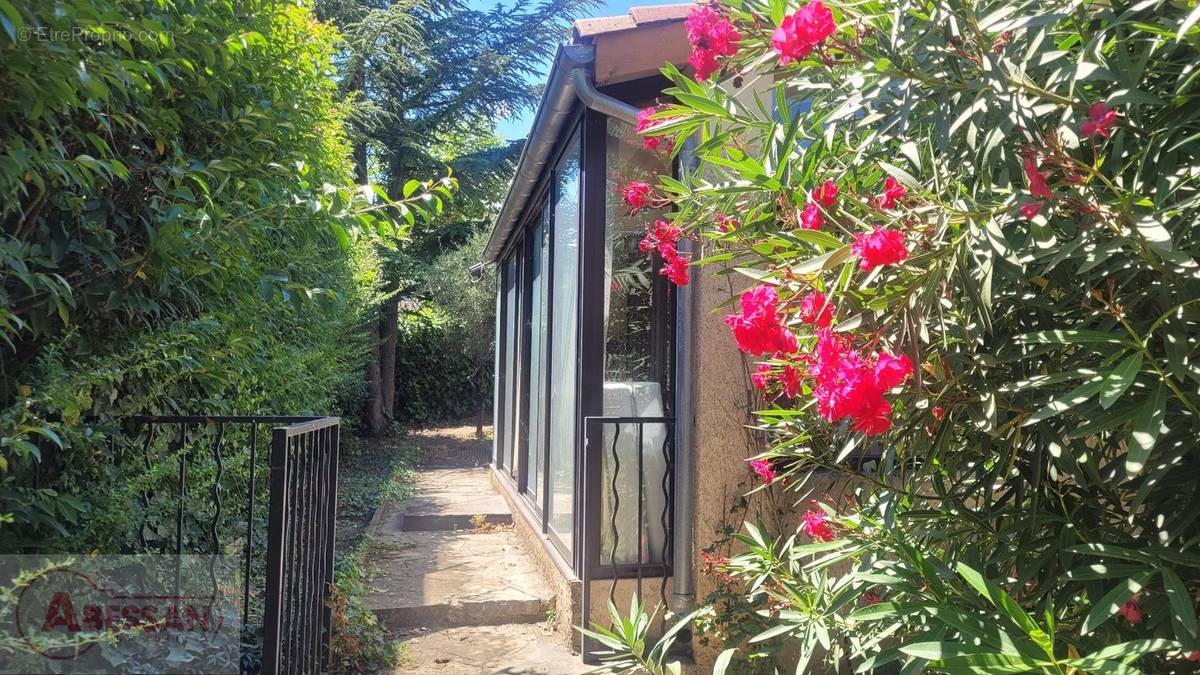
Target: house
[{"x": 622, "y": 404}]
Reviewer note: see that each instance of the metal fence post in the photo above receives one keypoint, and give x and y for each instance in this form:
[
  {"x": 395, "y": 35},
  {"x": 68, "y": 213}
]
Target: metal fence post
[{"x": 276, "y": 536}]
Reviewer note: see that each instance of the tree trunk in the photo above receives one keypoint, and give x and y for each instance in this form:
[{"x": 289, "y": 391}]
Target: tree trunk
[
  {"x": 482, "y": 404},
  {"x": 375, "y": 417},
  {"x": 390, "y": 325}
]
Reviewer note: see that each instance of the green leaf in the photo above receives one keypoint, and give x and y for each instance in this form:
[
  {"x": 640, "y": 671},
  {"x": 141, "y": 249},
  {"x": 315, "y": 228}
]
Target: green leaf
[
  {"x": 1183, "y": 612},
  {"x": 1117, "y": 381},
  {"x": 901, "y": 175},
  {"x": 936, "y": 651},
  {"x": 1187, "y": 23},
  {"x": 1112, "y": 601},
  {"x": 1071, "y": 337},
  {"x": 12, "y": 20},
  {"x": 882, "y": 610},
  {"x": 1004, "y": 602},
  {"x": 1128, "y": 651},
  {"x": 723, "y": 660},
  {"x": 1146, "y": 428},
  {"x": 1065, "y": 402},
  {"x": 991, "y": 663}
]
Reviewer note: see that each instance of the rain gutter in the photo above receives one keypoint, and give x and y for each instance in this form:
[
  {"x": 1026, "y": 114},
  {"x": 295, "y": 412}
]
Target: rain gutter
[{"x": 570, "y": 80}]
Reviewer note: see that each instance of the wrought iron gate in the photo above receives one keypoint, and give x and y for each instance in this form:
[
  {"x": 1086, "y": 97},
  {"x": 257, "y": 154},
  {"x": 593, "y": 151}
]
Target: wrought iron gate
[{"x": 285, "y": 595}]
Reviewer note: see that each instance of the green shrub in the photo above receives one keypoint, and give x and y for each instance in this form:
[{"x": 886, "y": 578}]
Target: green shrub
[
  {"x": 178, "y": 238},
  {"x": 438, "y": 377}
]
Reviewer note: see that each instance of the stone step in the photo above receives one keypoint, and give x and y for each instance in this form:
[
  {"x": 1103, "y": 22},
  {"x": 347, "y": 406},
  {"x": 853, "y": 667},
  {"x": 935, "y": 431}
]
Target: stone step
[
  {"x": 488, "y": 650},
  {"x": 454, "y": 578},
  {"x": 448, "y": 499}
]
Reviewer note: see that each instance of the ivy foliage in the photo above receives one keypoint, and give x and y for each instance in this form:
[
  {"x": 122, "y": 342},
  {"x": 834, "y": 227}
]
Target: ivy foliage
[
  {"x": 1033, "y": 506},
  {"x": 181, "y": 234}
]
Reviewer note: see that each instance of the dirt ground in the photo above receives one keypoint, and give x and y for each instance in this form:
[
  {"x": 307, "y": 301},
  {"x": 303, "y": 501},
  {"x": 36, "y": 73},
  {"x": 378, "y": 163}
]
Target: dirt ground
[{"x": 452, "y": 444}]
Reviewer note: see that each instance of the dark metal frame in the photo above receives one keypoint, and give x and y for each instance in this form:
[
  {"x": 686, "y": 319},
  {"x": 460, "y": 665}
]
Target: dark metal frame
[
  {"x": 301, "y": 521},
  {"x": 583, "y": 556}
]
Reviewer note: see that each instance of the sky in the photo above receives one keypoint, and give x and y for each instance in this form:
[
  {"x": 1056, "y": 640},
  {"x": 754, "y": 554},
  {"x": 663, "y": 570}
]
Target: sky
[{"x": 518, "y": 126}]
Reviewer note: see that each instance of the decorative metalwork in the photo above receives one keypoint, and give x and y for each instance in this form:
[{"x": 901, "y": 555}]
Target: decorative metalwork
[{"x": 290, "y": 589}]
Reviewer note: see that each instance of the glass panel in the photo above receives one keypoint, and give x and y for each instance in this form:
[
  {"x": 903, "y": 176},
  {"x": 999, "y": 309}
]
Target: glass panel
[
  {"x": 537, "y": 356},
  {"x": 498, "y": 369},
  {"x": 637, "y": 348},
  {"x": 563, "y": 389},
  {"x": 511, "y": 366}
]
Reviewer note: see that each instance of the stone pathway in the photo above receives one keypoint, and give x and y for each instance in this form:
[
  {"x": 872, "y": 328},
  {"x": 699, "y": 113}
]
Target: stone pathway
[{"x": 454, "y": 582}]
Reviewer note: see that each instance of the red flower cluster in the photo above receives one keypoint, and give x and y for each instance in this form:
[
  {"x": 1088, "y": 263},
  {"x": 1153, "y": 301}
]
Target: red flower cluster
[
  {"x": 811, "y": 218},
  {"x": 764, "y": 469},
  {"x": 892, "y": 192},
  {"x": 817, "y": 526},
  {"x": 758, "y": 329},
  {"x": 711, "y": 35},
  {"x": 849, "y": 384},
  {"x": 816, "y": 309},
  {"x": 1038, "y": 187},
  {"x": 1100, "y": 118},
  {"x": 789, "y": 379},
  {"x": 676, "y": 269},
  {"x": 727, "y": 223},
  {"x": 1131, "y": 611},
  {"x": 664, "y": 237},
  {"x": 826, "y": 195},
  {"x": 644, "y": 122},
  {"x": 882, "y": 246},
  {"x": 802, "y": 30},
  {"x": 871, "y": 598},
  {"x": 638, "y": 195},
  {"x": 1037, "y": 180}
]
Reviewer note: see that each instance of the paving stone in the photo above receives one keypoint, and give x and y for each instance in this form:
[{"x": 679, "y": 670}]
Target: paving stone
[
  {"x": 454, "y": 579},
  {"x": 447, "y": 499},
  {"x": 513, "y": 649}
]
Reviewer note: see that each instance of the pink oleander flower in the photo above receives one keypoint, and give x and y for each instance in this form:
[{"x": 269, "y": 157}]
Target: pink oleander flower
[
  {"x": 764, "y": 469},
  {"x": 826, "y": 195},
  {"x": 882, "y": 246},
  {"x": 790, "y": 378},
  {"x": 811, "y": 218},
  {"x": 1037, "y": 180},
  {"x": 892, "y": 371},
  {"x": 871, "y": 598},
  {"x": 762, "y": 377},
  {"x": 1100, "y": 119},
  {"x": 1194, "y": 656},
  {"x": 1030, "y": 209},
  {"x": 938, "y": 412},
  {"x": 757, "y": 329},
  {"x": 892, "y": 192},
  {"x": 711, "y": 36},
  {"x": 676, "y": 267},
  {"x": 801, "y": 31},
  {"x": 727, "y": 223},
  {"x": 1131, "y": 611},
  {"x": 816, "y": 525},
  {"x": 637, "y": 194},
  {"x": 816, "y": 309},
  {"x": 848, "y": 384},
  {"x": 645, "y": 122}
]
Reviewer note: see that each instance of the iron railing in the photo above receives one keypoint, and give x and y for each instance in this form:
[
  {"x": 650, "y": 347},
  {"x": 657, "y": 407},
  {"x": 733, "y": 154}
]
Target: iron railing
[
  {"x": 285, "y": 593},
  {"x": 636, "y": 501}
]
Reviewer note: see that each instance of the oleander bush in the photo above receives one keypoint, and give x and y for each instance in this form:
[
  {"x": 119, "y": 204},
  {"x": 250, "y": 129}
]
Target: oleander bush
[{"x": 967, "y": 230}]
